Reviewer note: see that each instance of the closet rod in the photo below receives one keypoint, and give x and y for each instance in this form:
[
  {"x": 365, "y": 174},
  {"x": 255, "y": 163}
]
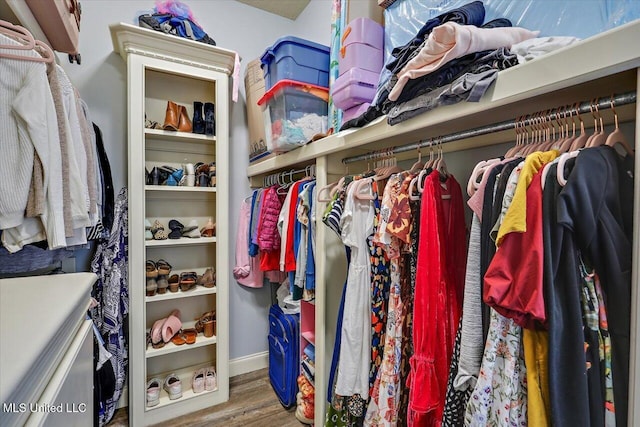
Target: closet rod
[
  {"x": 310, "y": 170},
  {"x": 585, "y": 107}
]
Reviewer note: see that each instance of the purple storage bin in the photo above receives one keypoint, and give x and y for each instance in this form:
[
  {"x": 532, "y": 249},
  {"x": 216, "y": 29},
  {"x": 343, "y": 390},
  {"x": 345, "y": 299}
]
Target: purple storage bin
[
  {"x": 354, "y": 87},
  {"x": 354, "y": 112},
  {"x": 362, "y": 46},
  {"x": 359, "y": 55},
  {"x": 365, "y": 31}
]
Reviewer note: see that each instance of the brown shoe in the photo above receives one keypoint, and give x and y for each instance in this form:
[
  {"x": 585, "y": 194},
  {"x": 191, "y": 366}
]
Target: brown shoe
[
  {"x": 184, "y": 123},
  {"x": 171, "y": 117}
]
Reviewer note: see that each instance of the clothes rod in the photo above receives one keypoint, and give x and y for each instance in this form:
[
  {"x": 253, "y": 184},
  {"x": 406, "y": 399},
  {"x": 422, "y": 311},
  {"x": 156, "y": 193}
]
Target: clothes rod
[
  {"x": 272, "y": 179},
  {"x": 583, "y": 108}
]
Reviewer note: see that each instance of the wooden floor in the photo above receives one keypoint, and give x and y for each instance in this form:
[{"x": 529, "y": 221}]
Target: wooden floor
[{"x": 252, "y": 403}]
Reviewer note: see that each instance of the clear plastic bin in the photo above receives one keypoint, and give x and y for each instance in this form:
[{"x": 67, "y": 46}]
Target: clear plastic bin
[{"x": 294, "y": 113}]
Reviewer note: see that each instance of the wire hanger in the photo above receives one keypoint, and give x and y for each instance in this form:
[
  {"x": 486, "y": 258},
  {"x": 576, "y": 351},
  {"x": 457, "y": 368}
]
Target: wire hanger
[{"x": 617, "y": 137}]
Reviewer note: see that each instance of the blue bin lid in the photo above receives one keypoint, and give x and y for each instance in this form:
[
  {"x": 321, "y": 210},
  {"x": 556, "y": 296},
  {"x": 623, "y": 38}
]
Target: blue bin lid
[{"x": 292, "y": 40}]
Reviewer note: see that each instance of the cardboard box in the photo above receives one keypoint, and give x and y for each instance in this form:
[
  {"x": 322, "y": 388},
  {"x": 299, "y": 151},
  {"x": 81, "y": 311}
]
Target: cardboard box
[{"x": 254, "y": 87}]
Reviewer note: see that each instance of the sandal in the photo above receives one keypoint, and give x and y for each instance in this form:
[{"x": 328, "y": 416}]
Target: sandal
[
  {"x": 147, "y": 230},
  {"x": 188, "y": 280},
  {"x": 163, "y": 284},
  {"x": 190, "y": 335},
  {"x": 156, "y": 334},
  {"x": 206, "y": 323},
  {"x": 174, "y": 283},
  {"x": 212, "y": 174},
  {"x": 176, "y": 229},
  {"x": 202, "y": 176},
  {"x": 208, "y": 279},
  {"x": 157, "y": 229},
  {"x": 171, "y": 325},
  {"x": 164, "y": 268},
  {"x": 209, "y": 230},
  {"x": 152, "y": 286},
  {"x": 152, "y": 269},
  {"x": 179, "y": 338},
  {"x": 192, "y": 230}
]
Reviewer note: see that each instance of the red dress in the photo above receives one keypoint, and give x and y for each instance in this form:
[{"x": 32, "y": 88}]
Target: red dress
[{"x": 438, "y": 297}]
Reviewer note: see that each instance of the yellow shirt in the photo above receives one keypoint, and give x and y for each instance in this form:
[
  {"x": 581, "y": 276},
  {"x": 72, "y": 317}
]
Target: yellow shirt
[{"x": 515, "y": 220}]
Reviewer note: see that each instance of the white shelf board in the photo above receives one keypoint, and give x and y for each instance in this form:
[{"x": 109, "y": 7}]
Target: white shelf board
[
  {"x": 544, "y": 75},
  {"x": 201, "y": 341},
  {"x": 178, "y": 189},
  {"x": 168, "y": 135},
  {"x": 194, "y": 292},
  {"x": 183, "y": 241},
  {"x": 186, "y": 395}
]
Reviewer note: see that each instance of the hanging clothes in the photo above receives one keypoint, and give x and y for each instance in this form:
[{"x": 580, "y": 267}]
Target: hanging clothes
[{"x": 438, "y": 297}]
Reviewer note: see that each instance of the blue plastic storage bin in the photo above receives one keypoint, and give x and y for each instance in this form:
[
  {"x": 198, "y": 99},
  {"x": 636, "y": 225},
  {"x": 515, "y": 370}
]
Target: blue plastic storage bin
[{"x": 292, "y": 58}]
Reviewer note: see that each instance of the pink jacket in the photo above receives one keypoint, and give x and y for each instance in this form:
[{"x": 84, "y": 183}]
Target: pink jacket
[
  {"x": 268, "y": 236},
  {"x": 247, "y": 269}
]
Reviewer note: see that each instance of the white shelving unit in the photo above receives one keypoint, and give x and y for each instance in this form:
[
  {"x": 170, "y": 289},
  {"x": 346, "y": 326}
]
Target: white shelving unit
[
  {"x": 597, "y": 67},
  {"x": 160, "y": 68}
]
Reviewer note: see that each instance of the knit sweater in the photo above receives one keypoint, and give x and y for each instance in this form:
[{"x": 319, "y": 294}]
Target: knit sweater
[{"x": 28, "y": 115}]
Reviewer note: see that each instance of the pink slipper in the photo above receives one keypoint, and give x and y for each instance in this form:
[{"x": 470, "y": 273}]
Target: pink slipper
[
  {"x": 156, "y": 334},
  {"x": 171, "y": 326}
]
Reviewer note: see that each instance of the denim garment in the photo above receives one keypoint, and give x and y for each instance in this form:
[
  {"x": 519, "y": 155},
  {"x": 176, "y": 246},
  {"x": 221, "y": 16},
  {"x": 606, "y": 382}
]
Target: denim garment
[
  {"x": 469, "y": 14},
  {"x": 469, "y": 87}
]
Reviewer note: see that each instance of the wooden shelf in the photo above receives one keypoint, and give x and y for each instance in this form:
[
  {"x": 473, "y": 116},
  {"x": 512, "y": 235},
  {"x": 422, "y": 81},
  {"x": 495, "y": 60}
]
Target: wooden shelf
[
  {"x": 183, "y": 241},
  {"x": 168, "y": 135},
  {"x": 178, "y": 189}
]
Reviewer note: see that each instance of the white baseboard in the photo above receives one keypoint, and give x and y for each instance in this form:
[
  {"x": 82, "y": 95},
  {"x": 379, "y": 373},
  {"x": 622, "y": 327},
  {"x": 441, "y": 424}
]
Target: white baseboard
[
  {"x": 237, "y": 366},
  {"x": 250, "y": 363}
]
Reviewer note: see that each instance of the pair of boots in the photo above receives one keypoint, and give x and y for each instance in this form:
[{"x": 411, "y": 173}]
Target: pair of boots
[
  {"x": 176, "y": 118},
  {"x": 204, "y": 123}
]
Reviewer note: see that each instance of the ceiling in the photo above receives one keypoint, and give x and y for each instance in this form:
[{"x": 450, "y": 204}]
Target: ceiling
[{"x": 286, "y": 8}]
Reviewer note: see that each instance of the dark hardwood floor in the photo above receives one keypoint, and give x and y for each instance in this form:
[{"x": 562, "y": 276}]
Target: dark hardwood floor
[{"x": 252, "y": 403}]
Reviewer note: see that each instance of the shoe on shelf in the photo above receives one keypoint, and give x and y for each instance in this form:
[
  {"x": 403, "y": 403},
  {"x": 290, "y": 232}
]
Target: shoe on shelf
[
  {"x": 150, "y": 124},
  {"x": 209, "y": 230},
  {"x": 189, "y": 176},
  {"x": 174, "y": 283},
  {"x": 152, "y": 286},
  {"x": 152, "y": 269},
  {"x": 210, "y": 379},
  {"x": 209, "y": 119},
  {"x": 176, "y": 229},
  {"x": 206, "y": 323},
  {"x": 192, "y": 230},
  {"x": 173, "y": 386},
  {"x": 172, "y": 116},
  {"x": 157, "y": 230},
  {"x": 188, "y": 280},
  {"x": 190, "y": 335},
  {"x": 147, "y": 230},
  {"x": 198, "y": 118},
  {"x": 208, "y": 279},
  {"x": 202, "y": 175},
  {"x": 197, "y": 382},
  {"x": 162, "y": 283},
  {"x": 156, "y": 334},
  {"x": 184, "y": 123},
  {"x": 153, "y": 392},
  {"x": 164, "y": 267},
  {"x": 154, "y": 177},
  {"x": 171, "y": 325}
]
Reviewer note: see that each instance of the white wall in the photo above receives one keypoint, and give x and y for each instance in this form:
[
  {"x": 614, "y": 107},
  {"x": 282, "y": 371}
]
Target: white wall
[{"x": 101, "y": 80}]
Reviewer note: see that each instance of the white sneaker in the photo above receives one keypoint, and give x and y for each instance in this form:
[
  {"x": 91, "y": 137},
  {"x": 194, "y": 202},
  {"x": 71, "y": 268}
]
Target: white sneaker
[
  {"x": 153, "y": 392},
  {"x": 189, "y": 177},
  {"x": 173, "y": 386},
  {"x": 197, "y": 383},
  {"x": 210, "y": 379}
]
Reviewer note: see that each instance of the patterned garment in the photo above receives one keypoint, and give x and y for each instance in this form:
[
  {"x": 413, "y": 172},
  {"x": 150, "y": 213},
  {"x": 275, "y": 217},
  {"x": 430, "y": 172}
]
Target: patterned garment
[
  {"x": 111, "y": 290},
  {"x": 383, "y": 405},
  {"x": 407, "y": 289},
  {"x": 595, "y": 319},
  {"x": 500, "y": 395},
  {"x": 455, "y": 400},
  {"x": 380, "y": 283}
]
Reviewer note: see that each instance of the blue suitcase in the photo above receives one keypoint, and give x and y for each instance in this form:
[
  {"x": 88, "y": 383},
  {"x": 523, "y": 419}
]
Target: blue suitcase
[{"x": 284, "y": 354}]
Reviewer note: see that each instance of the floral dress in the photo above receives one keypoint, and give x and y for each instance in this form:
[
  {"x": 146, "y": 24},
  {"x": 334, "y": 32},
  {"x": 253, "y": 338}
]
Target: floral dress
[{"x": 500, "y": 395}]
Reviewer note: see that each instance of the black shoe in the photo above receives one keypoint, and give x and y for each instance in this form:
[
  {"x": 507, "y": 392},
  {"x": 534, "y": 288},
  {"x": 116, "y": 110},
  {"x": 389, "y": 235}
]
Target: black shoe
[
  {"x": 209, "y": 119},
  {"x": 198, "y": 120}
]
